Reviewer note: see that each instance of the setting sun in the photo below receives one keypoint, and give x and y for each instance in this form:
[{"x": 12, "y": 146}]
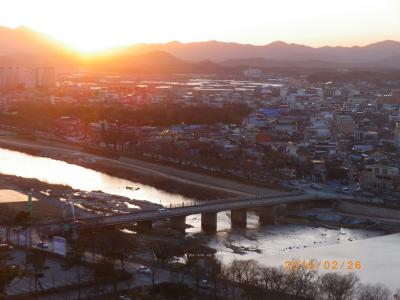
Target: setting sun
[{"x": 95, "y": 25}]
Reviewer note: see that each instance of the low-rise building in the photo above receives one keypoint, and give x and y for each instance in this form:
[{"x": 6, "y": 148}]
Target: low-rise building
[{"x": 379, "y": 178}]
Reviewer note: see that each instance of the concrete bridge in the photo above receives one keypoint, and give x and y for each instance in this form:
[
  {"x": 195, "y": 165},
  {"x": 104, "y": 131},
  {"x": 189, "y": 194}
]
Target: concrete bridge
[{"x": 266, "y": 204}]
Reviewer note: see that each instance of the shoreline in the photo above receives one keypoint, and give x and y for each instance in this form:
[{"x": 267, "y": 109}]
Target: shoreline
[
  {"x": 50, "y": 199},
  {"x": 173, "y": 180}
]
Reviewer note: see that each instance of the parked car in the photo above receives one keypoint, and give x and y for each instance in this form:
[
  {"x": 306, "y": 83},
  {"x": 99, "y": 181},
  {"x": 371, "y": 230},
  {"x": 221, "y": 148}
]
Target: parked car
[
  {"x": 42, "y": 245},
  {"x": 5, "y": 246}
]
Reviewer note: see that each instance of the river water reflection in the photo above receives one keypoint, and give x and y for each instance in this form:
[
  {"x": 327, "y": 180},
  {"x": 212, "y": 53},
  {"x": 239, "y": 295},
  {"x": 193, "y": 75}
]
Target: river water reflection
[{"x": 59, "y": 172}]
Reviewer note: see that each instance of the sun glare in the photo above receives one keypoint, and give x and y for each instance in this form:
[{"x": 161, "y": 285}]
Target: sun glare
[{"x": 91, "y": 26}]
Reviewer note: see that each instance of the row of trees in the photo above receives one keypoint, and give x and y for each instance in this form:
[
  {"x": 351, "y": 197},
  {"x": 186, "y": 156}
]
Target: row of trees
[
  {"x": 246, "y": 278},
  {"x": 42, "y": 115},
  {"x": 12, "y": 219}
]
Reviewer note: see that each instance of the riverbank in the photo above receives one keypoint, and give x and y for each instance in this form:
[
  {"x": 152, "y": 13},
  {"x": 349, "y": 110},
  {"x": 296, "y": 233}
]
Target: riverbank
[
  {"x": 186, "y": 183},
  {"x": 49, "y": 200}
]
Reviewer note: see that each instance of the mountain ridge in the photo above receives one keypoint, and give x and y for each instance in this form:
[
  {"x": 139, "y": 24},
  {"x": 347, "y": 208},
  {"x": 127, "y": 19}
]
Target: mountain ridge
[{"x": 24, "y": 44}]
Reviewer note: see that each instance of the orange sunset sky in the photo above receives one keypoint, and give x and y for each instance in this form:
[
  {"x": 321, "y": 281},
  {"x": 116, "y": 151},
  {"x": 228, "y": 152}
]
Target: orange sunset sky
[{"x": 94, "y": 25}]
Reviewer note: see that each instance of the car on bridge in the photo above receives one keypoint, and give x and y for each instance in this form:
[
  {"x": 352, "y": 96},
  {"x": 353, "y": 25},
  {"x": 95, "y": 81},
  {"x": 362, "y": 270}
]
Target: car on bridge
[{"x": 143, "y": 270}]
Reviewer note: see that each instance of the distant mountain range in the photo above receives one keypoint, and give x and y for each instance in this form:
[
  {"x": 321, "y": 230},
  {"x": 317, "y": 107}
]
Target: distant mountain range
[{"x": 25, "y": 46}]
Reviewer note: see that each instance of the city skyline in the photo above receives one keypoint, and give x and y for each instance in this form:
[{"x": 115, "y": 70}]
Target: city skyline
[{"x": 122, "y": 22}]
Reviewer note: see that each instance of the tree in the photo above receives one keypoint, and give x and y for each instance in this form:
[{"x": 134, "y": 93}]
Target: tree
[
  {"x": 225, "y": 279},
  {"x": 36, "y": 263},
  {"x": 116, "y": 245},
  {"x": 75, "y": 259},
  {"x": 104, "y": 271},
  {"x": 7, "y": 220},
  {"x": 7, "y": 272},
  {"x": 162, "y": 251},
  {"x": 373, "y": 292},
  {"x": 301, "y": 283},
  {"x": 273, "y": 279},
  {"x": 245, "y": 274},
  {"x": 22, "y": 220},
  {"x": 88, "y": 240},
  {"x": 338, "y": 287}
]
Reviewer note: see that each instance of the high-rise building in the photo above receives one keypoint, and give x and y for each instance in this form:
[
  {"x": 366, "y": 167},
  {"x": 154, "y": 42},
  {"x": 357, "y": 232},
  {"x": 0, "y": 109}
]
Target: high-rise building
[
  {"x": 397, "y": 136},
  {"x": 45, "y": 77},
  {"x": 28, "y": 78},
  {"x": 9, "y": 77}
]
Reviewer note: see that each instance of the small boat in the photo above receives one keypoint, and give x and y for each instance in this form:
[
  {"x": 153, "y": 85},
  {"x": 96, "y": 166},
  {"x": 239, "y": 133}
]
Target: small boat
[{"x": 132, "y": 188}]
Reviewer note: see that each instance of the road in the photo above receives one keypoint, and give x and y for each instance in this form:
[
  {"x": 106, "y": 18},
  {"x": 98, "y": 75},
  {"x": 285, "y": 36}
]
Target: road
[{"x": 56, "y": 276}]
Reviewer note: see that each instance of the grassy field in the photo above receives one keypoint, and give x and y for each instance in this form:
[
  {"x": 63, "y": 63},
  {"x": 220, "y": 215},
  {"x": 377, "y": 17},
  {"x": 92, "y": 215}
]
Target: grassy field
[{"x": 19, "y": 202}]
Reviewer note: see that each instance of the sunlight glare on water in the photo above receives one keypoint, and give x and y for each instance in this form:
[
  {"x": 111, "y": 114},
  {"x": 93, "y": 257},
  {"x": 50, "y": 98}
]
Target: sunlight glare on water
[{"x": 58, "y": 172}]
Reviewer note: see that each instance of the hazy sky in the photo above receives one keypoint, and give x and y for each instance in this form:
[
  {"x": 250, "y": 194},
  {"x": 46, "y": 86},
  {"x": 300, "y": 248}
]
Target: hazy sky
[{"x": 95, "y": 24}]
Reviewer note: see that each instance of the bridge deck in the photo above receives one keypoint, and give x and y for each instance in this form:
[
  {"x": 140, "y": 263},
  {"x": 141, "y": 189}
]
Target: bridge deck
[{"x": 209, "y": 207}]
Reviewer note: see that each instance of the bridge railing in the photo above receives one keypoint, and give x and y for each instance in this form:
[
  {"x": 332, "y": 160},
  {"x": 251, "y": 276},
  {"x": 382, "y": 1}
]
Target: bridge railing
[{"x": 233, "y": 199}]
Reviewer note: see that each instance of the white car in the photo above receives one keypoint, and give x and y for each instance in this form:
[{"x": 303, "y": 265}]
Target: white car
[
  {"x": 42, "y": 245},
  {"x": 204, "y": 284},
  {"x": 346, "y": 190},
  {"x": 143, "y": 270},
  {"x": 5, "y": 246}
]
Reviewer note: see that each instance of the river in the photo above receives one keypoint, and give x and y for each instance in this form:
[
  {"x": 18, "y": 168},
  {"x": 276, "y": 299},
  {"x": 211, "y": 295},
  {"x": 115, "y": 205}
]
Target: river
[
  {"x": 59, "y": 172},
  {"x": 269, "y": 245}
]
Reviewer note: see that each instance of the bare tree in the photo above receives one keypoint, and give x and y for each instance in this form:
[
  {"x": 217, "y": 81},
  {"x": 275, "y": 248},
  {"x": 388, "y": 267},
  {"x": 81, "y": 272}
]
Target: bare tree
[
  {"x": 227, "y": 280},
  {"x": 7, "y": 216},
  {"x": 302, "y": 283},
  {"x": 273, "y": 279},
  {"x": 36, "y": 260},
  {"x": 338, "y": 287},
  {"x": 7, "y": 271},
  {"x": 373, "y": 292},
  {"x": 75, "y": 258},
  {"x": 245, "y": 273}
]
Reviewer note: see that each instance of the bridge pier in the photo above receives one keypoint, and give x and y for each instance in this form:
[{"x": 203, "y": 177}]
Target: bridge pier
[
  {"x": 239, "y": 218},
  {"x": 144, "y": 226},
  {"x": 178, "y": 223},
  {"x": 209, "y": 222}
]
